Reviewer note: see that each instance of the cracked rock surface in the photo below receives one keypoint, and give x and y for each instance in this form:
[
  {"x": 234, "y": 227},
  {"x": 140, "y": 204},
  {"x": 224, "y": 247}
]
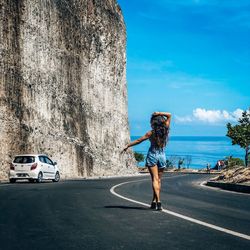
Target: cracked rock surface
[{"x": 63, "y": 85}]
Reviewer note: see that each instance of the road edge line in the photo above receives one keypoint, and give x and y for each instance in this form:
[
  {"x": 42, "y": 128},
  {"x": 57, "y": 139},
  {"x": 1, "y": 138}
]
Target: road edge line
[{"x": 184, "y": 217}]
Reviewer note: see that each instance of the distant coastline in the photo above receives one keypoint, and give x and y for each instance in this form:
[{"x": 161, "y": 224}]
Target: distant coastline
[
  {"x": 202, "y": 149},
  {"x": 176, "y": 137}
]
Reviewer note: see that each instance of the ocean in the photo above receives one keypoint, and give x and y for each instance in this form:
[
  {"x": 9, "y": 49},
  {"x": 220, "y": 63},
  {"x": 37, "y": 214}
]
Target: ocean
[{"x": 197, "y": 151}]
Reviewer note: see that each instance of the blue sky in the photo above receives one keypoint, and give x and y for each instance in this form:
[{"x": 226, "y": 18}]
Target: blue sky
[{"x": 188, "y": 57}]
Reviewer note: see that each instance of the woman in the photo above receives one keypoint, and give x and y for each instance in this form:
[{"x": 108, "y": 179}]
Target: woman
[{"x": 156, "y": 158}]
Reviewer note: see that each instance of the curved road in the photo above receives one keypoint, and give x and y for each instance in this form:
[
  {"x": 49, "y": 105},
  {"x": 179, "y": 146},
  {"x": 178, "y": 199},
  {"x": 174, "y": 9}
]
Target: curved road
[{"x": 86, "y": 215}]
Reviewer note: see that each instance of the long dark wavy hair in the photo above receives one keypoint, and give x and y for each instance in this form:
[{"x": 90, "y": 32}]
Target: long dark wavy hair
[{"x": 160, "y": 130}]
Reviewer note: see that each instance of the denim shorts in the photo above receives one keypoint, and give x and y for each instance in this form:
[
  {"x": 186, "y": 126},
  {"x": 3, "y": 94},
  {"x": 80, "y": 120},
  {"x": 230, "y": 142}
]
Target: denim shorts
[{"x": 156, "y": 157}]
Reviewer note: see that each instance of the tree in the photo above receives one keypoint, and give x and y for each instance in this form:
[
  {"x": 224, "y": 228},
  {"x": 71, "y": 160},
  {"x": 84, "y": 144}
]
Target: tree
[
  {"x": 139, "y": 157},
  {"x": 240, "y": 133}
]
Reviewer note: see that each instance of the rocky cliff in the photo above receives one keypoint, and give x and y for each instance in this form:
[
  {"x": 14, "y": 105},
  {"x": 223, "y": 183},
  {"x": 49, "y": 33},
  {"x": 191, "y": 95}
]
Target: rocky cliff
[{"x": 63, "y": 85}]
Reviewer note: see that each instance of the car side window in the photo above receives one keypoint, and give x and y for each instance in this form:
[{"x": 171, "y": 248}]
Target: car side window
[
  {"x": 48, "y": 161},
  {"x": 41, "y": 159}
]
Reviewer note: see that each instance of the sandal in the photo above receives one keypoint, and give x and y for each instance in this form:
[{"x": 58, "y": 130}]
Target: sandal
[
  {"x": 159, "y": 207},
  {"x": 153, "y": 205}
]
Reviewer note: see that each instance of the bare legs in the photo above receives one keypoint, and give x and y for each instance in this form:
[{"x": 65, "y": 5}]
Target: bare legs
[{"x": 156, "y": 175}]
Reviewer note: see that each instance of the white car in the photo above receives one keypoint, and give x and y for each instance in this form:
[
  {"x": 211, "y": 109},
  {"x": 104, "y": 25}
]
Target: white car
[{"x": 33, "y": 167}]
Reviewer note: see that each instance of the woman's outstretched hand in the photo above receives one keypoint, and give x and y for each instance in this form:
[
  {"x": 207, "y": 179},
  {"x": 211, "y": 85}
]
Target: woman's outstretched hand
[{"x": 125, "y": 149}]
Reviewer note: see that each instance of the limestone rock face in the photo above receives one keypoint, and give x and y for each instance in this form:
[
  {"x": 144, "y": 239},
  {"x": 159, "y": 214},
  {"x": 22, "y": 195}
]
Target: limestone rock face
[
  {"x": 63, "y": 85},
  {"x": 237, "y": 174}
]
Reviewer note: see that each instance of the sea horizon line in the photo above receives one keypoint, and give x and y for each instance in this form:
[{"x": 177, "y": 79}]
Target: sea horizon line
[{"x": 189, "y": 136}]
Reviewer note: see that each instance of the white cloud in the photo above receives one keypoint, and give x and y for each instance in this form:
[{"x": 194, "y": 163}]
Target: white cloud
[
  {"x": 211, "y": 116},
  {"x": 184, "y": 119},
  {"x": 237, "y": 113}
]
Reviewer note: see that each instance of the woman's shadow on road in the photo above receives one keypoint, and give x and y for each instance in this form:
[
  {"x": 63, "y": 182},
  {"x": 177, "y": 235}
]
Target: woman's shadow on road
[{"x": 127, "y": 207}]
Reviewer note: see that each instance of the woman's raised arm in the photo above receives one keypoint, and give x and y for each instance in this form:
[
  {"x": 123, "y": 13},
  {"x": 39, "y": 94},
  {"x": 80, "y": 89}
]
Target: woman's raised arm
[
  {"x": 168, "y": 115},
  {"x": 138, "y": 141}
]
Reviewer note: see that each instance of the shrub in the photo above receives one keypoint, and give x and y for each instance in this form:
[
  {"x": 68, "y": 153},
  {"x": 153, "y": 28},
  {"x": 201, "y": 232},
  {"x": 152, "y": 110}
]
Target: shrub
[
  {"x": 231, "y": 162},
  {"x": 139, "y": 157},
  {"x": 169, "y": 164}
]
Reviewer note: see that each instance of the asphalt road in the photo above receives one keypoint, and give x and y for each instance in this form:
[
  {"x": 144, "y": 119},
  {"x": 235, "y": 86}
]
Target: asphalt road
[{"x": 85, "y": 215}]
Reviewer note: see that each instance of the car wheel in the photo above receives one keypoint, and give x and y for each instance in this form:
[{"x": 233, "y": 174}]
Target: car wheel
[
  {"x": 40, "y": 177},
  {"x": 31, "y": 180},
  {"x": 12, "y": 180},
  {"x": 57, "y": 177}
]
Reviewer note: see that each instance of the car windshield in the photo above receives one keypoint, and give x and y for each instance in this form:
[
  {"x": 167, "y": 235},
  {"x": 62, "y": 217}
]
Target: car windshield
[{"x": 24, "y": 159}]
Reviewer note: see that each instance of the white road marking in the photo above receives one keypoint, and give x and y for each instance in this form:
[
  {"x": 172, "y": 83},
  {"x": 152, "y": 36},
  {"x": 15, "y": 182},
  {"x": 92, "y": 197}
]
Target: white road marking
[{"x": 221, "y": 229}]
